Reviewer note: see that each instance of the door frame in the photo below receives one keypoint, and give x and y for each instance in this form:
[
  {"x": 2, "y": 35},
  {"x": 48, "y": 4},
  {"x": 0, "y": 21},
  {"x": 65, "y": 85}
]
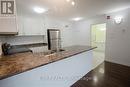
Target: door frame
[{"x": 91, "y": 34}]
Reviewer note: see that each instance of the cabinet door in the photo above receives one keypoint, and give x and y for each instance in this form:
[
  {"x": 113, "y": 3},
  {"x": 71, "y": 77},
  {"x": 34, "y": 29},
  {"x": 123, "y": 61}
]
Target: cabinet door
[
  {"x": 8, "y": 25},
  {"x": 33, "y": 26},
  {"x": 20, "y": 25},
  {"x": 53, "y": 24}
]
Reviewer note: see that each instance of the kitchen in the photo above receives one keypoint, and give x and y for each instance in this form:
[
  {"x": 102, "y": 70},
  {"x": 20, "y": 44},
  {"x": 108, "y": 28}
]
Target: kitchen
[{"x": 29, "y": 62}]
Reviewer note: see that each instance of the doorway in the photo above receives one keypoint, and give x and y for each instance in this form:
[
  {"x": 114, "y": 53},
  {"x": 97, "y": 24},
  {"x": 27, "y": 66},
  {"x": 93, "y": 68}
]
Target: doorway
[{"x": 98, "y": 39}]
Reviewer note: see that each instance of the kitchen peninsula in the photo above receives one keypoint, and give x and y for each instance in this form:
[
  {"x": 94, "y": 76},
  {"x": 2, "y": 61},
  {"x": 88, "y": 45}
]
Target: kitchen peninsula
[{"x": 60, "y": 69}]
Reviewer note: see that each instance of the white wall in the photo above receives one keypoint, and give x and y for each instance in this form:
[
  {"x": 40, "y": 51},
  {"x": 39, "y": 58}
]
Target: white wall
[
  {"x": 81, "y": 33},
  {"x": 82, "y": 30},
  {"x": 118, "y": 36},
  {"x": 118, "y": 39}
]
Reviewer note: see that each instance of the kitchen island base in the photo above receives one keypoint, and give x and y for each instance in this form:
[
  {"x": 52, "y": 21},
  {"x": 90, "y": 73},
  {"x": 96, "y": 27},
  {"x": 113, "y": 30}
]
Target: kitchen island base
[{"x": 62, "y": 73}]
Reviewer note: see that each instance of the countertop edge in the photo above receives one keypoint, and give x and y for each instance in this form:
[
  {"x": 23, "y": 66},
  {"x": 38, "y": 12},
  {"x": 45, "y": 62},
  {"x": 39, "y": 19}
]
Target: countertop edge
[{"x": 13, "y": 74}]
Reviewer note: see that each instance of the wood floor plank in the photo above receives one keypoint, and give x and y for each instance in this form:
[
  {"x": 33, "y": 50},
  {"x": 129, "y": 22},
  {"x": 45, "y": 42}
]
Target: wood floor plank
[{"x": 106, "y": 75}]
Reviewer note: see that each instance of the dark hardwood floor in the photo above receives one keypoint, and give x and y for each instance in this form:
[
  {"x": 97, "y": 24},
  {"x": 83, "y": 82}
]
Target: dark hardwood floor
[{"x": 106, "y": 75}]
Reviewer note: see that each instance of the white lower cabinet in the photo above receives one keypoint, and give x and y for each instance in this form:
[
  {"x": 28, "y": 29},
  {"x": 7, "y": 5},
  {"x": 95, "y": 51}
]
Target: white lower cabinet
[{"x": 62, "y": 73}]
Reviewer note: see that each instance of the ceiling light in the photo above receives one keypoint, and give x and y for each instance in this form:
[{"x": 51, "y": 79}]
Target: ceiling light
[
  {"x": 68, "y": 0},
  {"x": 77, "y": 19},
  {"x": 39, "y": 10},
  {"x": 73, "y": 3}
]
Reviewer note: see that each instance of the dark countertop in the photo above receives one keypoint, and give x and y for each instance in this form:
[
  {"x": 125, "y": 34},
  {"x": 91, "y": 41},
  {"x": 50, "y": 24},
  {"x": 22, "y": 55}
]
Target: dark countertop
[{"x": 14, "y": 64}]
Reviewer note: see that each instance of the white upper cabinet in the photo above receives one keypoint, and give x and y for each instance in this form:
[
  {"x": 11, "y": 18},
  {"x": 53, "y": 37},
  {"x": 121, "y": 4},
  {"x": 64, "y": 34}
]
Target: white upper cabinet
[
  {"x": 32, "y": 26},
  {"x": 35, "y": 25},
  {"x": 8, "y": 25},
  {"x": 8, "y": 21},
  {"x": 53, "y": 24}
]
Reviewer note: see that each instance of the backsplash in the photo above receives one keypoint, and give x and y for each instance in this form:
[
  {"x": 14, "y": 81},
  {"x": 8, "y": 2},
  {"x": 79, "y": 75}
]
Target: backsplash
[
  {"x": 24, "y": 40},
  {"x": 18, "y": 40}
]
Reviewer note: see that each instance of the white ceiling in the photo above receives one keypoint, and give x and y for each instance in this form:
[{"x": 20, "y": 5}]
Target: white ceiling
[{"x": 64, "y": 10}]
